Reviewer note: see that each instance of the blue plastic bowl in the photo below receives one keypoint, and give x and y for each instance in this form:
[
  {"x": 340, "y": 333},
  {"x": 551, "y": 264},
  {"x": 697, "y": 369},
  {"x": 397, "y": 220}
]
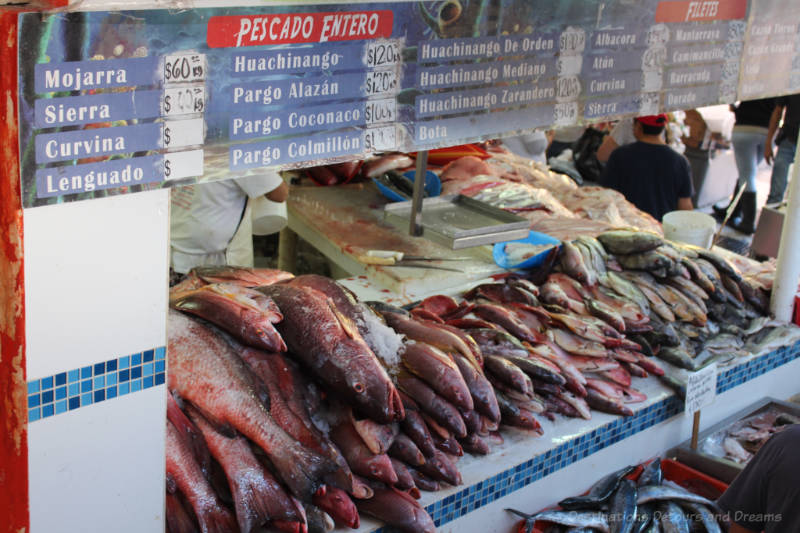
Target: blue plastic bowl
[
  {"x": 433, "y": 187},
  {"x": 502, "y": 260}
]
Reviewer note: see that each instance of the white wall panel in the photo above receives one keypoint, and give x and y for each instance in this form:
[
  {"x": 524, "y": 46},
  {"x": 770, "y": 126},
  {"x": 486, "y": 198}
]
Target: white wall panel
[
  {"x": 100, "y": 468},
  {"x": 95, "y": 280}
]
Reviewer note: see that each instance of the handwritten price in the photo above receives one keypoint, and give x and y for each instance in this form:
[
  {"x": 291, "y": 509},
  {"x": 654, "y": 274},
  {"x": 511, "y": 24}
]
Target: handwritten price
[
  {"x": 184, "y": 68},
  {"x": 381, "y": 54},
  {"x": 183, "y": 100}
]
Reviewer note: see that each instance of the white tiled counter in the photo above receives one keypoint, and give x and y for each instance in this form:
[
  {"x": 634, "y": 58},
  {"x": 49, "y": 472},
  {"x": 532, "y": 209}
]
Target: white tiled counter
[{"x": 529, "y": 473}]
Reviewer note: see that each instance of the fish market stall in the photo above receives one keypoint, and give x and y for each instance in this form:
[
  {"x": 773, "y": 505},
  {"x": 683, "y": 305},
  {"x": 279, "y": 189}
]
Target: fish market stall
[
  {"x": 346, "y": 222},
  {"x": 253, "y": 399}
]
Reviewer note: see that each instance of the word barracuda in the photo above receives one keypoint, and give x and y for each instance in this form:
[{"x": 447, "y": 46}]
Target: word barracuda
[{"x": 284, "y": 28}]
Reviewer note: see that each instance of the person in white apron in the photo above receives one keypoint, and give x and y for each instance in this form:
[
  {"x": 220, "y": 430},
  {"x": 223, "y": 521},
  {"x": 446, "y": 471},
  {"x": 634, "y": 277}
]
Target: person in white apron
[{"x": 211, "y": 223}]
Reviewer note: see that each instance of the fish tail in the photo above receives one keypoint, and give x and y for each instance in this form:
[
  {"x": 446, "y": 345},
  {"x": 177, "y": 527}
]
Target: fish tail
[
  {"x": 177, "y": 517},
  {"x": 255, "y": 508},
  {"x": 217, "y": 519},
  {"x": 302, "y": 469},
  {"x": 520, "y": 513}
]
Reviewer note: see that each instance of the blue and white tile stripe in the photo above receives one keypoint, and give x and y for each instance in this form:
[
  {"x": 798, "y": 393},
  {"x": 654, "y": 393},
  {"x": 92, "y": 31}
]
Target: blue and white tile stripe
[
  {"x": 131, "y": 373},
  {"x": 480, "y": 494},
  {"x": 80, "y": 387}
]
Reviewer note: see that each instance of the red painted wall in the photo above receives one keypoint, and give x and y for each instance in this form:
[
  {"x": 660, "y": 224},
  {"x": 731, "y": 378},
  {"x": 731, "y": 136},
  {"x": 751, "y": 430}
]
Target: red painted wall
[{"x": 13, "y": 389}]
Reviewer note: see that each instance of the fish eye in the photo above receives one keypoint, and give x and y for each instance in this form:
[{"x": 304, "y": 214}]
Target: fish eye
[{"x": 358, "y": 387}]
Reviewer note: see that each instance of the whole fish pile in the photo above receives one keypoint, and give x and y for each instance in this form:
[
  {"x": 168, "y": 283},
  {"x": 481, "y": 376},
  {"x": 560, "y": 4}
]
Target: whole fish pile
[
  {"x": 541, "y": 358},
  {"x": 341, "y": 173},
  {"x": 687, "y": 305},
  {"x": 552, "y": 203},
  {"x": 297, "y": 407},
  {"x": 631, "y": 500},
  {"x": 602, "y": 310},
  {"x": 744, "y": 438},
  {"x": 280, "y": 413}
]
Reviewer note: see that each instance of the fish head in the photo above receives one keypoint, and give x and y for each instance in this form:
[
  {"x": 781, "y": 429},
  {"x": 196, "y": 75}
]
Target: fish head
[
  {"x": 380, "y": 468},
  {"x": 375, "y": 395}
]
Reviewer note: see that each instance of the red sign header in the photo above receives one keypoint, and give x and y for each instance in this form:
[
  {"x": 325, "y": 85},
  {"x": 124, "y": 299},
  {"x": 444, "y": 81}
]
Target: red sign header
[
  {"x": 700, "y": 10},
  {"x": 287, "y": 28}
]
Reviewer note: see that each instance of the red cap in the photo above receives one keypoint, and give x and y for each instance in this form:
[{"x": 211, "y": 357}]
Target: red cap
[{"x": 653, "y": 120}]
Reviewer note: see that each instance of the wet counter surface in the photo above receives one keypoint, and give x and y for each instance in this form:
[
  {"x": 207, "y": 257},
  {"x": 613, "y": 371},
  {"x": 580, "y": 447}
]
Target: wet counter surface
[{"x": 343, "y": 222}]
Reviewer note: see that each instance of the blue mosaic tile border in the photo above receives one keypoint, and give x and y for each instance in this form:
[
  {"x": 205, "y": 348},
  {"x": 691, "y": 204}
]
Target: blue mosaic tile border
[
  {"x": 476, "y": 496},
  {"x": 756, "y": 367},
  {"x": 489, "y": 490},
  {"x": 79, "y": 387}
]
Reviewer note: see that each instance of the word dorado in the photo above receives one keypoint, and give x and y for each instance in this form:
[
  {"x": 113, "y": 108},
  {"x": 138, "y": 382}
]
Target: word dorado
[{"x": 279, "y": 28}]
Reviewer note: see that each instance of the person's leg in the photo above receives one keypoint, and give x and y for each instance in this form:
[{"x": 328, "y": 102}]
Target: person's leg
[
  {"x": 745, "y": 150},
  {"x": 780, "y": 171}
]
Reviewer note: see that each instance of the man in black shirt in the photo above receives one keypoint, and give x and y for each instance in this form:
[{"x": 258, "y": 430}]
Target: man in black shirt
[
  {"x": 650, "y": 174},
  {"x": 766, "y": 495},
  {"x": 787, "y": 107}
]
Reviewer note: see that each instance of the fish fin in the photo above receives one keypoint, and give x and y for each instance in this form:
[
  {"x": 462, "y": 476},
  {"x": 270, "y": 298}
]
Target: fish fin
[
  {"x": 223, "y": 428},
  {"x": 172, "y": 487},
  {"x": 217, "y": 519},
  {"x": 520, "y": 513},
  {"x": 345, "y": 322}
]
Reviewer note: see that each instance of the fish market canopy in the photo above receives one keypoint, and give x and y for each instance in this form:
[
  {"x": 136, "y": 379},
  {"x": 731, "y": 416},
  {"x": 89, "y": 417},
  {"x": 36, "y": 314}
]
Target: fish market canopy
[{"x": 116, "y": 102}]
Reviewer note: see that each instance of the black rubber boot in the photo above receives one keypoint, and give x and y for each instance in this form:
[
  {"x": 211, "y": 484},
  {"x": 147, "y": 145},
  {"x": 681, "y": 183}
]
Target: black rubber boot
[
  {"x": 719, "y": 212},
  {"x": 747, "y": 223}
]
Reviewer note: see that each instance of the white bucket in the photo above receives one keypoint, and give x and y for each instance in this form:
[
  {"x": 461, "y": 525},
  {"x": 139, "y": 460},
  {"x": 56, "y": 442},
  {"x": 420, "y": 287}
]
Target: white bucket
[{"x": 690, "y": 227}]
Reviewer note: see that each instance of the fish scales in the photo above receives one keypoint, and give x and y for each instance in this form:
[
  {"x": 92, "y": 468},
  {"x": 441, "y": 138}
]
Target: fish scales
[
  {"x": 622, "y": 508},
  {"x": 327, "y": 342},
  {"x": 205, "y": 371},
  {"x": 439, "y": 371},
  {"x": 258, "y": 497},
  {"x": 213, "y": 516}
]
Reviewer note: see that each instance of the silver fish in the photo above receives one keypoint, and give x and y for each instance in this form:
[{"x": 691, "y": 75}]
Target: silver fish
[
  {"x": 650, "y": 493},
  {"x": 651, "y": 474},
  {"x": 573, "y": 264},
  {"x": 626, "y": 289},
  {"x": 778, "y": 337},
  {"x": 623, "y": 508},
  {"x": 677, "y": 357},
  {"x": 590, "y": 519},
  {"x": 672, "y": 519},
  {"x": 705, "y": 516},
  {"x": 723, "y": 341},
  {"x": 629, "y": 242}
]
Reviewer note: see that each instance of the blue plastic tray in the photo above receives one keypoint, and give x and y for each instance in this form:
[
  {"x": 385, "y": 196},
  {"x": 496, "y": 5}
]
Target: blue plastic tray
[
  {"x": 433, "y": 187},
  {"x": 503, "y": 261}
]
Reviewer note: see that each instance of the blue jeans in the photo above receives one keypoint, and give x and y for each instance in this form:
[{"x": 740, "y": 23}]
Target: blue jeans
[
  {"x": 780, "y": 170},
  {"x": 748, "y": 150}
]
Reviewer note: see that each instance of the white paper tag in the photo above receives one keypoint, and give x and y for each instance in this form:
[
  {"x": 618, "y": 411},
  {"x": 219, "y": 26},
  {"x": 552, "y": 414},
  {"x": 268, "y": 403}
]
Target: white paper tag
[
  {"x": 186, "y": 164},
  {"x": 184, "y": 67},
  {"x": 383, "y": 53},
  {"x": 701, "y": 388},
  {"x": 379, "y": 139},
  {"x": 377, "y": 111},
  {"x": 183, "y": 100},
  {"x": 179, "y": 133}
]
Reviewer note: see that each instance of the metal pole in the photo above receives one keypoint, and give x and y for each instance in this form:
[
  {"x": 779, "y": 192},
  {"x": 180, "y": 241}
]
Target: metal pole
[
  {"x": 787, "y": 272},
  {"x": 415, "y": 227}
]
